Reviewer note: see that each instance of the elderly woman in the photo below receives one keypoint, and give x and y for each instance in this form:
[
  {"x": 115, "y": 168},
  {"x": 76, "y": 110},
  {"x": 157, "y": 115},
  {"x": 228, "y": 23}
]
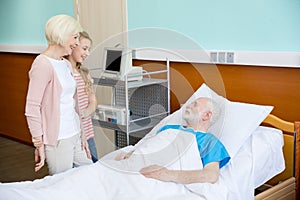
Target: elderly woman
[{"x": 51, "y": 103}]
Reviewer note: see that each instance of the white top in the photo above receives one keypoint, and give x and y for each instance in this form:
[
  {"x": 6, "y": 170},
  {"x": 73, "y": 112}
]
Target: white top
[{"x": 69, "y": 119}]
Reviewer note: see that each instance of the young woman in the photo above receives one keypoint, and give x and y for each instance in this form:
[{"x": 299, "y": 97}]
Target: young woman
[
  {"x": 86, "y": 96},
  {"x": 51, "y": 104}
]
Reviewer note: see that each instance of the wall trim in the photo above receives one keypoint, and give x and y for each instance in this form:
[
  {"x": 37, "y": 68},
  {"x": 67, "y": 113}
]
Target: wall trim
[
  {"x": 257, "y": 58},
  {"x": 19, "y": 48}
]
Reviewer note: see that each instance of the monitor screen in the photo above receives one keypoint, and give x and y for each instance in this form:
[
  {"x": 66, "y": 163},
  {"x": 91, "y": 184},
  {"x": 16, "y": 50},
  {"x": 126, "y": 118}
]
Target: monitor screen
[
  {"x": 113, "y": 60},
  {"x": 117, "y": 62}
]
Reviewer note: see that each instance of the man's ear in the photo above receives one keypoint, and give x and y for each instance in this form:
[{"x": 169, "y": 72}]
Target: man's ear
[{"x": 206, "y": 115}]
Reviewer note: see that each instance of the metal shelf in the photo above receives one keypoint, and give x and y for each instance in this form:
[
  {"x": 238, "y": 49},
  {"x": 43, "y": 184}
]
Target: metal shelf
[
  {"x": 134, "y": 126},
  {"x": 147, "y": 102},
  {"x": 131, "y": 84}
]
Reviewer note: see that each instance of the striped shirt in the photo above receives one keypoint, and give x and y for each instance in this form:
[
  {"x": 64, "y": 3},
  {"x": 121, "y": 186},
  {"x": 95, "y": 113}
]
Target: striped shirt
[{"x": 83, "y": 103}]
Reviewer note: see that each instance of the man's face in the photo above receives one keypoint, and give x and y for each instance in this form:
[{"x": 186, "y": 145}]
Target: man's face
[{"x": 194, "y": 111}]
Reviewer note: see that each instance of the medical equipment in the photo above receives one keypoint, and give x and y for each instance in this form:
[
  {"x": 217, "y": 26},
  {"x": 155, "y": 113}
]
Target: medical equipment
[
  {"x": 113, "y": 114},
  {"x": 117, "y": 64}
]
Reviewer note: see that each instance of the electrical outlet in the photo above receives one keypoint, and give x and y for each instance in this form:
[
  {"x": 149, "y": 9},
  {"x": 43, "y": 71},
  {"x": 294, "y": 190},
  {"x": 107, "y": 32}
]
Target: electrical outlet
[
  {"x": 213, "y": 57},
  {"x": 230, "y": 57},
  {"x": 133, "y": 53},
  {"x": 221, "y": 57}
]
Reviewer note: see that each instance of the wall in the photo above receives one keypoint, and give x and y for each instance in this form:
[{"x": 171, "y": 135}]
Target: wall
[
  {"x": 268, "y": 25},
  {"x": 22, "y": 22},
  {"x": 14, "y": 82},
  {"x": 277, "y": 86},
  {"x": 226, "y": 32}
]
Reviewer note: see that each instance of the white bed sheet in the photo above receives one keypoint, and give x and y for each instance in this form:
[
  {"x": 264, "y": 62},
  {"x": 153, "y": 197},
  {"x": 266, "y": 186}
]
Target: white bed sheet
[
  {"x": 237, "y": 179},
  {"x": 258, "y": 160}
]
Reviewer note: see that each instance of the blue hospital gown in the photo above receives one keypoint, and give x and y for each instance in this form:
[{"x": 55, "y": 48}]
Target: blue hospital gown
[{"x": 210, "y": 148}]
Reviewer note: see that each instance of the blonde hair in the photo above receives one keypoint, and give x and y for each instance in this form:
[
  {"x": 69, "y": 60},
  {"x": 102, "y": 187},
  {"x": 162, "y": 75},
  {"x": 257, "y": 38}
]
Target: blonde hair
[
  {"x": 60, "y": 28},
  {"x": 84, "y": 72}
]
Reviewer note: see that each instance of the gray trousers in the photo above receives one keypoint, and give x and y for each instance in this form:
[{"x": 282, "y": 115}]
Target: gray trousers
[{"x": 66, "y": 155}]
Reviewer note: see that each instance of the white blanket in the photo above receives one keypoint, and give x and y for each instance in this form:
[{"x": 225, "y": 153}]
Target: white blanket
[{"x": 120, "y": 180}]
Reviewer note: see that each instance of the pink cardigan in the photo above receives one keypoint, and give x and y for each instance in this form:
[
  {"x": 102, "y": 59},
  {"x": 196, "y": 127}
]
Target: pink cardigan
[{"x": 43, "y": 100}]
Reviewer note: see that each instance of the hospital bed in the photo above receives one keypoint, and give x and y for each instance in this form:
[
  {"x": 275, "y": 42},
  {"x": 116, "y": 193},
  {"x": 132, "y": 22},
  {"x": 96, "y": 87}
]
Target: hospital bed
[
  {"x": 260, "y": 84},
  {"x": 255, "y": 148}
]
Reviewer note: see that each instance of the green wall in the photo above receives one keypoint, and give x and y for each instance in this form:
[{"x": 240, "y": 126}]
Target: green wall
[
  {"x": 23, "y": 21},
  {"x": 256, "y": 25}
]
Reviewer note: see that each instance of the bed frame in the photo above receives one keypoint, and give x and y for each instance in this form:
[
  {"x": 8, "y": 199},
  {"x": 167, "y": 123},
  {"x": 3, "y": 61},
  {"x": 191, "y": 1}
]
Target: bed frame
[{"x": 285, "y": 186}]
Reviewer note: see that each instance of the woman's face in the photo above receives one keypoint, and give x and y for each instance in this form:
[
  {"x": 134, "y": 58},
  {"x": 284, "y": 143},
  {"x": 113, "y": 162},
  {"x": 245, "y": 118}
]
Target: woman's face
[
  {"x": 71, "y": 44},
  {"x": 82, "y": 51}
]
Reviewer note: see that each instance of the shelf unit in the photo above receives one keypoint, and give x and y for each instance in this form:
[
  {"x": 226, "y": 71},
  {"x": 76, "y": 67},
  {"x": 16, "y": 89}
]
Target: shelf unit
[{"x": 146, "y": 103}]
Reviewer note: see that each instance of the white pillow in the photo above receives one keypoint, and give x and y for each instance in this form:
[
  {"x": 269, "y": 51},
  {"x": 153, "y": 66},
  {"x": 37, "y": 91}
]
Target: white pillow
[{"x": 236, "y": 122}]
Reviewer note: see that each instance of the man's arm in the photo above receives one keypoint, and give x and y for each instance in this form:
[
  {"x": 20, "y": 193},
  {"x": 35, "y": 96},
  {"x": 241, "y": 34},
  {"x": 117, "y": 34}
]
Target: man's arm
[{"x": 209, "y": 174}]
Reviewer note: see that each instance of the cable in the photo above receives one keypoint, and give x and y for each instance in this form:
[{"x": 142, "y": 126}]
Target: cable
[{"x": 147, "y": 73}]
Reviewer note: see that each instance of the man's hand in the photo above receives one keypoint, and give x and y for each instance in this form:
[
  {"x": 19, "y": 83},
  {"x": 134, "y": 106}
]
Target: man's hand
[
  {"x": 209, "y": 174},
  {"x": 39, "y": 158},
  {"x": 157, "y": 172}
]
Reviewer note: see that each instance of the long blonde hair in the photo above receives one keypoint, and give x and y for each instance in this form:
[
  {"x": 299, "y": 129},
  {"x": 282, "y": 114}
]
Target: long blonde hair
[{"x": 84, "y": 72}]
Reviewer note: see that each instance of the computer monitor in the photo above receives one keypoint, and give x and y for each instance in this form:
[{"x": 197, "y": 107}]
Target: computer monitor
[{"x": 117, "y": 62}]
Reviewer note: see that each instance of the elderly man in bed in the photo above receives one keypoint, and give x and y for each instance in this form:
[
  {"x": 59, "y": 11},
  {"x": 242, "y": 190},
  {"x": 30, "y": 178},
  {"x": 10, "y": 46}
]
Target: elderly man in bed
[{"x": 199, "y": 116}]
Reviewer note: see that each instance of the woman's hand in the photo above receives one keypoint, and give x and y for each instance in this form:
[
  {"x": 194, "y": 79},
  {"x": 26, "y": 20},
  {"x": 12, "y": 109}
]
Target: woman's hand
[
  {"x": 123, "y": 155},
  {"x": 91, "y": 107},
  {"x": 37, "y": 141},
  {"x": 39, "y": 157},
  {"x": 39, "y": 152},
  {"x": 85, "y": 146}
]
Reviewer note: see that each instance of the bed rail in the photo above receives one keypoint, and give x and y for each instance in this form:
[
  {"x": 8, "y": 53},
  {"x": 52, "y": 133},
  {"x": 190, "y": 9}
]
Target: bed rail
[{"x": 280, "y": 123}]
